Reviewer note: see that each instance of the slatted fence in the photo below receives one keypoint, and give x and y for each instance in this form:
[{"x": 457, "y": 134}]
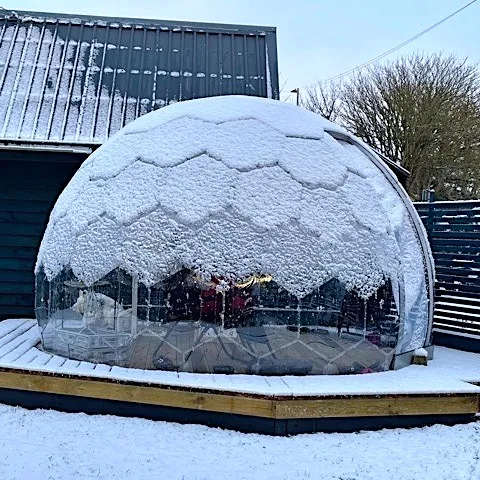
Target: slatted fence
[{"x": 454, "y": 232}]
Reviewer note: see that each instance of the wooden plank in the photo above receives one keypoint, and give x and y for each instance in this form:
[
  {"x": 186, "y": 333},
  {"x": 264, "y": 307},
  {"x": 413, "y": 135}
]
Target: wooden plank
[
  {"x": 27, "y": 358},
  {"x": 44, "y": 173},
  {"x": 380, "y": 406},
  {"x": 472, "y": 336},
  {"x": 42, "y": 162},
  {"x": 445, "y": 266},
  {"x": 457, "y": 323},
  {"x": 461, "y": 220},
  {"x": 17, "y": 288},
  {"x": 459, "y": 271},
  {"x": 456, "y": 209},
  {"x": 454, "y": 306},
  {"x": 8, "y": 240},
  {"x": 18, "y": 252},
  {"x": 461, "y": 249},
  {"x": 34, "y": 229},
  {"x": 457, "y": 319},
  {"x": 457, "y": 262},
  {"x": 470, "y": 256},
  {"x": 460, "y": 297},
  {"x": 129, "y": 392},
  {"x": 456, "y": 288},
  {"x": 225, "y": 402},
  {"x": 41, "y": 359},
  {"x": 449, "y": 204},
  {"x": 49, "y": 181},
  {"x": 42, "y": 194},
  {"x": 17, "y": 337},
  {"x": 26, "y": 206},
  {"x": 17, "y": 276},
  {"x": 473, "y": 227},
  {"x": 102, "y": 368},
  {"x": 24, "y": 217},
  {"x": 12, "y": 312},
  {"x": 458, "y": 282},
  {"x": 456, "y": 311},
  {"x": 466, "y": 245},
  {"x": 447, "y": 325},
  {"x": 19, "y": 300},
  {"x": 12, "y": 329},
  {"x": 446, "y": 235},
  {"x": 455, "y": 212},
  {"x": 17, "y": 264}
]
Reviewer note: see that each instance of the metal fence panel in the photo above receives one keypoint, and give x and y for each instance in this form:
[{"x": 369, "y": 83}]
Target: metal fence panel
[{"x": 454, "y": 232}]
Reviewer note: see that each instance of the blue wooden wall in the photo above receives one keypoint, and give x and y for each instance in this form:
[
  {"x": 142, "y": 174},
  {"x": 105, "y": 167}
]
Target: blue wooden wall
[{"x": 30, "y": 183}]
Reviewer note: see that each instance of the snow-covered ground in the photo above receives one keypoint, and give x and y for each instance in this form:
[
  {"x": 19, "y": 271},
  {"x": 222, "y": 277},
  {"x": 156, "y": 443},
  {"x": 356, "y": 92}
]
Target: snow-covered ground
[{"x": 51, "y": 445}]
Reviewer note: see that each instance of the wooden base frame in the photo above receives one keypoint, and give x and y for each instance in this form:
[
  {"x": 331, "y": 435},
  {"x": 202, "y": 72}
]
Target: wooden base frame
[{"x": 275, "y": 415}]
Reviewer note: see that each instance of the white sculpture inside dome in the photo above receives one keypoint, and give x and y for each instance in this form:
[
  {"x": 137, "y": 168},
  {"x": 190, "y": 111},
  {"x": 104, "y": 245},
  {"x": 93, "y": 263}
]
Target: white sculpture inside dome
[{"x": 274, "y": 240}]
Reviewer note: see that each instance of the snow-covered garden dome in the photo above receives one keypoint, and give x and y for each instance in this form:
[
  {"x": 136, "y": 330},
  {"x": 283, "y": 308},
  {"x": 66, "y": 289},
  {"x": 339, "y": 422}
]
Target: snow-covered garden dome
[{"x": 236, "y": 235}]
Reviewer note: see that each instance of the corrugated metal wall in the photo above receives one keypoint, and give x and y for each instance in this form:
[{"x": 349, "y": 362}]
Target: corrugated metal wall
[{"x": 81, "y": 79}]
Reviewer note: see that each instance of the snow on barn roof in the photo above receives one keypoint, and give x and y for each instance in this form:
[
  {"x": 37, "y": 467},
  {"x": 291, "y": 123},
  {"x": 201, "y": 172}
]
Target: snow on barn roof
[
  {"x": 233, "y": 186},
  {"x": 79, "y": 79}
]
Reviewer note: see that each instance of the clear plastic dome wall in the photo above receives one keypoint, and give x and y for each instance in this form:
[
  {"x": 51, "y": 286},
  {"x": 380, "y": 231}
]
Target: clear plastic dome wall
[{"x": 234, "y": 235}]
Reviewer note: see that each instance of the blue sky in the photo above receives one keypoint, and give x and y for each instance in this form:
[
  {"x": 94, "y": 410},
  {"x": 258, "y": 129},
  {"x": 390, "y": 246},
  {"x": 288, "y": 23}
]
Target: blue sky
[{"x": 316, "y": 38}]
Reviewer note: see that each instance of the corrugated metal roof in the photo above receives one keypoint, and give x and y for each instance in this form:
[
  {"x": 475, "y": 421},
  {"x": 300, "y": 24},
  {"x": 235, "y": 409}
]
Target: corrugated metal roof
[{"x": 80, "y": 79}]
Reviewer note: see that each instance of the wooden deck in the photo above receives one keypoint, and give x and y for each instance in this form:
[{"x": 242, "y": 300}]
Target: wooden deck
[{"x": 34, "y": 378}]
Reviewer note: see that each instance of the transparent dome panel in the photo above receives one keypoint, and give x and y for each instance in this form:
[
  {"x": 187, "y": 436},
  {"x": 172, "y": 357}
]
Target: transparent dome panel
[{"x": 189, "y": 323}]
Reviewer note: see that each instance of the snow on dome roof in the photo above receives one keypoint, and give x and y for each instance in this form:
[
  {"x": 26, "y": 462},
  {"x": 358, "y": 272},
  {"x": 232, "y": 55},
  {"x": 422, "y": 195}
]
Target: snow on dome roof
[{"x": 232, "y": 186}]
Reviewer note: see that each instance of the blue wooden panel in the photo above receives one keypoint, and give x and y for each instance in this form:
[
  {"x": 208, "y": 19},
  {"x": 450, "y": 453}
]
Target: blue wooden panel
[
  {"x": 16, "y": 288},
  {"x": 25, "y": 218},
  {"x": 30, "y": 182},
  {"x": 16, "y": 300},
  {"x": 17, "y": 252}
]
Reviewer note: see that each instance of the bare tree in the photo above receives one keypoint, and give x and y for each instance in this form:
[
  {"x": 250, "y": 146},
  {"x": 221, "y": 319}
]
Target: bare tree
[
  {"x": 325, "y": 99},
  {"x": 424, "y": 111}
]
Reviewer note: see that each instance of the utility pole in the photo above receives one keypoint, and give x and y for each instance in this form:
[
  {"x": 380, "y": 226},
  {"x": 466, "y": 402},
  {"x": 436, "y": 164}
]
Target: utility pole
[{"x": 297, "y": 91}]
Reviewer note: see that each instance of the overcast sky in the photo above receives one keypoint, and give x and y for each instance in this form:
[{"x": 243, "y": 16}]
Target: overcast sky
[{"x": 316, "y": 38}]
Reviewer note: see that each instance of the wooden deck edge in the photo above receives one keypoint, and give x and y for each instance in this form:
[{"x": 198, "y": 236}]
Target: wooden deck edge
[
  {"x": 441, "y": 404},
  {"x": 150, "y": 395},
  {"x": 267, "y": 406}
]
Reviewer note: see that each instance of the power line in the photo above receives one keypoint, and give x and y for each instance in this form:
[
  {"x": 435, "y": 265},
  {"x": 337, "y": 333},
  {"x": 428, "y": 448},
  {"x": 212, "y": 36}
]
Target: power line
[{"x": 394, "y": 49}]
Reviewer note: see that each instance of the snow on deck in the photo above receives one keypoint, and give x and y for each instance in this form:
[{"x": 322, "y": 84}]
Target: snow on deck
[{"x": 449, "y": 372}]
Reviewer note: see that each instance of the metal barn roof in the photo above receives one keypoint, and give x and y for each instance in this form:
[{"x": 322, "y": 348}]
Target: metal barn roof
[{"x": 80, "y": 79}]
